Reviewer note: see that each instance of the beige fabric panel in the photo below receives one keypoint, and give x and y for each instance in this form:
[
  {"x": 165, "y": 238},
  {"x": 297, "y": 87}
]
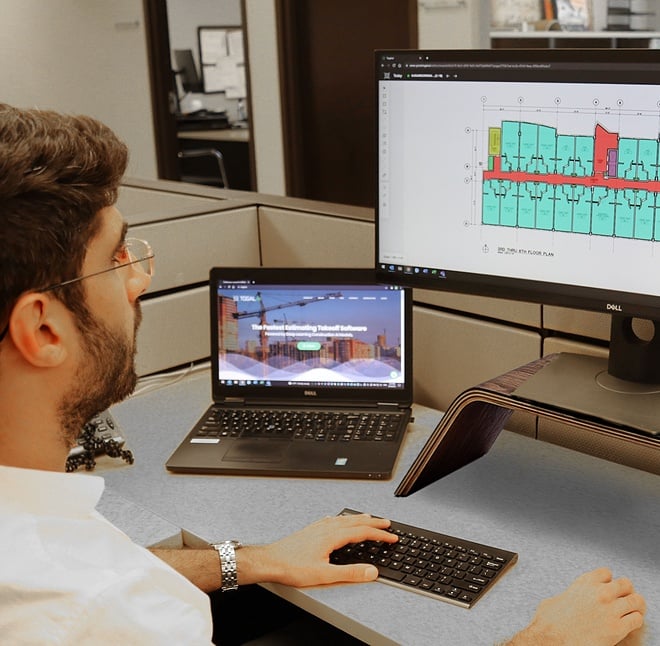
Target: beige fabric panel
[
  {"x": 186, "y": 248},
  {"x": 303, "y": 239},
  {"x": 140, "y": 205},
  {"x": 589, "y": 324},
  {"x": 515, "y": 311},
  {"x": 174, "y": 331},
  {"x": 452, "y": 353},
  {"x": 554, "y": 344}
]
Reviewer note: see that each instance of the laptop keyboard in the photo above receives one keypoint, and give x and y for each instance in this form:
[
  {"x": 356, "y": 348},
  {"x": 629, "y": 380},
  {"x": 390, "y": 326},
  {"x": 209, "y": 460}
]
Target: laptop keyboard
[
  {"x": 319, "y": 426},
  {"x": 443, "y": 567}
]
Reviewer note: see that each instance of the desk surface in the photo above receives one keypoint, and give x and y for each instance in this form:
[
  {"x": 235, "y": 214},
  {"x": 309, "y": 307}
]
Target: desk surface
[
  {"x": 218, "y": 134},
  {"x": 562, "y": 511}
]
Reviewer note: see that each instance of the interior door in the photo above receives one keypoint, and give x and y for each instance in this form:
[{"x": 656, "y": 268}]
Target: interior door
[
  {"x": 238, "y": 151},
  {"x": 326, "y": 54},
  {"x": 160, "y": 73}
]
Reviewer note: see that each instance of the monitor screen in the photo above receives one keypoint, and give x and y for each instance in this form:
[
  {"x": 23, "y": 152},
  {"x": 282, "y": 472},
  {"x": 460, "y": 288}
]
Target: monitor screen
[
  {"x": 523, "y": 174},
  {"x": 313, "y": 335},
  {"x": 334, "y": 334},
  {"x": 186, "y": 70}
]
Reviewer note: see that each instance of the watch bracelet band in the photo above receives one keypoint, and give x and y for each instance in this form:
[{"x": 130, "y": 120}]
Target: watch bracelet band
[{"x": 227, "y": 553}]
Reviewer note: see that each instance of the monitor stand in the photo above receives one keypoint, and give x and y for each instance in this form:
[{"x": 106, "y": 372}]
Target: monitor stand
[
  {"x": 561, "y": 383},
  {"x": 588, "y": 386}
]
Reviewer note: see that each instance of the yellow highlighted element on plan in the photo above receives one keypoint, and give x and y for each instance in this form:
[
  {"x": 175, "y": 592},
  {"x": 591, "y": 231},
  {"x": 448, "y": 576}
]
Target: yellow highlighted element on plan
[{"x": 494, "y": 141}]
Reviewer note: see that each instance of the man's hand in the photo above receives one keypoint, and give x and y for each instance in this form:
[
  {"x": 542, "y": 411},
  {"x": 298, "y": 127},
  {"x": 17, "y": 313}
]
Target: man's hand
[
  {"x": 595, "y": 610},
  {"x": 303, "y": 558}
]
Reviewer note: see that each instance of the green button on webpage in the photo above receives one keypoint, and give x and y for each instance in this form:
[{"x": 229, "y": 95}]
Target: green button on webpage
[{"x": 308, "y": 346}]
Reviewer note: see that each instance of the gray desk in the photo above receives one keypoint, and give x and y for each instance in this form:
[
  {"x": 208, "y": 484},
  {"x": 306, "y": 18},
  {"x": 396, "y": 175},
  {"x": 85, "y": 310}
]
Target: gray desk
[{"x": 564, "y": 513}]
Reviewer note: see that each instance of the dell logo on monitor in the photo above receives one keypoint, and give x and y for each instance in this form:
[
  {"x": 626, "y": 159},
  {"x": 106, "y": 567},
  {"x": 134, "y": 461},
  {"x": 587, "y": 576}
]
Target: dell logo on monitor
[
  {"x": 614, "y": 307},
  {"x": 309, "y": 393}
]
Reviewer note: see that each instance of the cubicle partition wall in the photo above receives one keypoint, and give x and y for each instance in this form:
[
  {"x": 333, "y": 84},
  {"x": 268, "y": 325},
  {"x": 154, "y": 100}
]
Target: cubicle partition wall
[
  {"x": 459, "y": 340},
  {"x": 189, "y": 234}
]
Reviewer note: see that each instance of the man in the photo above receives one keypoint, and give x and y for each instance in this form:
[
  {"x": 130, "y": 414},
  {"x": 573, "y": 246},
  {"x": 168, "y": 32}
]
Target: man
[{"x": 70, "y": 283}]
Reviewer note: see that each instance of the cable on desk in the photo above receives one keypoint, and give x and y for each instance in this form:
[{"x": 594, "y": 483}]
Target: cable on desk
[{"x": 163, "y": 379}]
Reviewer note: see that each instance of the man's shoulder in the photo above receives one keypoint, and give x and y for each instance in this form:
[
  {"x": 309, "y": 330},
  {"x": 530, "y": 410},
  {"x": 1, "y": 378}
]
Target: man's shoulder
[{"x": 86, "y": 582}]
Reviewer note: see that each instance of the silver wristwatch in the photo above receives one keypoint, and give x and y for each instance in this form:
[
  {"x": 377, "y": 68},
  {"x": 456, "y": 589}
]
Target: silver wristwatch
[{"x": 227, "y": 553}]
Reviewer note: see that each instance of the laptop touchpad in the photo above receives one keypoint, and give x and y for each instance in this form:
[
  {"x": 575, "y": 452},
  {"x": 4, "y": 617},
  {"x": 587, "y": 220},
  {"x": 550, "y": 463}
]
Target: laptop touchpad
[{"x": 257, "y": 451}]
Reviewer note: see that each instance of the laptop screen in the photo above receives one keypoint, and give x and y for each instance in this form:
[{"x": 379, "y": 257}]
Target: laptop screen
[{"x": 322, "y": 331}]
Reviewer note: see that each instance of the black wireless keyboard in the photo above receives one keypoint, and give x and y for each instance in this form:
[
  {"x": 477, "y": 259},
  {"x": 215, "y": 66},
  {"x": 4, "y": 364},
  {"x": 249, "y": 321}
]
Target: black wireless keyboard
[{"x": 443, "y": 567}]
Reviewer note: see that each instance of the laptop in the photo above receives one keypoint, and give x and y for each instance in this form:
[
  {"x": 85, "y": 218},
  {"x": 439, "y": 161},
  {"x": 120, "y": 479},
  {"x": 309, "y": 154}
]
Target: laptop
[{"x": 324, "y": 350}]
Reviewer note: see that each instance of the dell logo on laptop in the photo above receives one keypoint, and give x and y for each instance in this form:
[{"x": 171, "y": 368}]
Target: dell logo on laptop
[
  {"x": 309, "y": 393},
  {"x": 614, "y": 307}
]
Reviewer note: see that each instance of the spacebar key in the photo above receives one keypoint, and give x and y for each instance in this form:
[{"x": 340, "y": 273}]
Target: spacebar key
[{"x": 392, "y": 575}]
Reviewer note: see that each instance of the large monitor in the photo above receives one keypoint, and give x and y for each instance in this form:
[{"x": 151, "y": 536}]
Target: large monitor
[
  {"x": 186, "y": 70},
  {"x": 531, "y": 175}
]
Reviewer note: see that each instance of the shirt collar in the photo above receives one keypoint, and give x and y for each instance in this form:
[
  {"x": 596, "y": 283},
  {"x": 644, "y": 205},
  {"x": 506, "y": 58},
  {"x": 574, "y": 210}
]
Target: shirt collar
[{"x": 49, "y": 492}]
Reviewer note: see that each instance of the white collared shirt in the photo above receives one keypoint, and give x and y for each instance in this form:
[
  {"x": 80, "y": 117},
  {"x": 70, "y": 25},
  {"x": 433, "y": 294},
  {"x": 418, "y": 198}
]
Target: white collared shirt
[{"x": 68, "y": 576}]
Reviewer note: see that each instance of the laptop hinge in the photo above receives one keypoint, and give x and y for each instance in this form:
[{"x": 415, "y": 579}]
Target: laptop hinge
[
  {"x": 242, "y": 401},
  {"x": 233, "y": 401}
]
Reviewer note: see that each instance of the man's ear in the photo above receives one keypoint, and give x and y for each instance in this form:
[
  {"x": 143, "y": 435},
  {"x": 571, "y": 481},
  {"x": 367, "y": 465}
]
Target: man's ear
[{"x": 37, "y": 326}]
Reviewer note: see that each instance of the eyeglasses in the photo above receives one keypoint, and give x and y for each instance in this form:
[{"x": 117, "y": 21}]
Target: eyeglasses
[{"x": 133, "y": 251}]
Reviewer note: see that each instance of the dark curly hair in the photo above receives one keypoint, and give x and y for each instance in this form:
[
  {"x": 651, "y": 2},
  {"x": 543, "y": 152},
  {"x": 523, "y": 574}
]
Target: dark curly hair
[{"x": 57, "y": 172}]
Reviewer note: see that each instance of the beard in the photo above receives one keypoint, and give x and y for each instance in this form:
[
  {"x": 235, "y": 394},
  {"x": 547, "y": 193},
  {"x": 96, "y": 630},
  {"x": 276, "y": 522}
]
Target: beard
[{"x": 106, "y": 374}]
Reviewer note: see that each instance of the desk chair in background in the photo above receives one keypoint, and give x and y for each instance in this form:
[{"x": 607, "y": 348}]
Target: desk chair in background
[{"x": 205, "y": 152}]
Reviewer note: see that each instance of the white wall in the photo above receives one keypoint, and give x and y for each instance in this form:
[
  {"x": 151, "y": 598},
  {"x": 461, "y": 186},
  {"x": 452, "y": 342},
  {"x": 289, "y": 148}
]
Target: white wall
[{"x": 81, "y": 56}]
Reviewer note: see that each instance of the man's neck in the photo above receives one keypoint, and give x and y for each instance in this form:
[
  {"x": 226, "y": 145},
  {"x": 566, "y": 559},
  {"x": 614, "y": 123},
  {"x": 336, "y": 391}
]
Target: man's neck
[
  {"x": 31, "y": 453},
  {"x": 30, "y": 431}
]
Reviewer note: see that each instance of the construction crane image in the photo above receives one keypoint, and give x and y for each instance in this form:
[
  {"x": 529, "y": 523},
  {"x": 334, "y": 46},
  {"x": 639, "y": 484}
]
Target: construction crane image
[{"x": 261, "y": 313}]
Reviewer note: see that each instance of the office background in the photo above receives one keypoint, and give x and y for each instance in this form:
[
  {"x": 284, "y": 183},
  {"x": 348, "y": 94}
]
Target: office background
[{"x": 91, "y": 57}]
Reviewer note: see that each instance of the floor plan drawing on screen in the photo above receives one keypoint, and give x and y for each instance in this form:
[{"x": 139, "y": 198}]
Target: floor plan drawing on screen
[{"x": 604, "y": 184}]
